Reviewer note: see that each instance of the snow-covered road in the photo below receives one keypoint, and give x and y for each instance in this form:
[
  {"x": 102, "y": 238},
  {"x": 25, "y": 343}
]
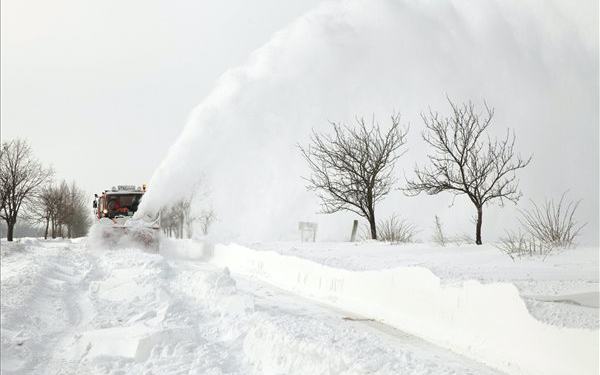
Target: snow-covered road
[{"x": 68, "y": 309}]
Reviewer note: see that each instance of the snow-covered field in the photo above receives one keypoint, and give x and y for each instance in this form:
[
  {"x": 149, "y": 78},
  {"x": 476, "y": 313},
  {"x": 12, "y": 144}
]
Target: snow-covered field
[{"x": 68, "y": 308}]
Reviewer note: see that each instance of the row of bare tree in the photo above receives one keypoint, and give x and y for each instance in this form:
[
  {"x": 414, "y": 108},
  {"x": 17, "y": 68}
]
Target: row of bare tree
[
  {"x": 353, "y": 168},
  {"x": 28, "y": 192},
  {"x": 61, "y": 210},
  {"x": 178, "y": 219}
]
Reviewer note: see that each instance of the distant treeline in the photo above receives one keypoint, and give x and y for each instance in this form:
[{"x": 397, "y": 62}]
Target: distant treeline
[{"x": 29, "y": 196}]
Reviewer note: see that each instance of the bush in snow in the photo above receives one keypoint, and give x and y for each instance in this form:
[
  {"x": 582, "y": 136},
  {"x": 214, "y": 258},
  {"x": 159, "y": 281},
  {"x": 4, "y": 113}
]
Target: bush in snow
[
  {"x": 552, "y": 224},
  {"x": 394, "y": 230},
  {"x": 547, "y": 228},
  {"x": 519, "y": 244}
]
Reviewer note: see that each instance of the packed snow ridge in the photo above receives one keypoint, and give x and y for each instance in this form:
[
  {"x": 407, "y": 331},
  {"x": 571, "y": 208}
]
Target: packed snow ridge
[{"x": 562, "y": 290}]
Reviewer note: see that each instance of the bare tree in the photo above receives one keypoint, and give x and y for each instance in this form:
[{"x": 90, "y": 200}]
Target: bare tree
[
  {"x": 21, "y": 175},
  {"x": 184, "y": 209},
  {"x": 78, "y": 220},
  {"x": 167, "y": 222},
  {"x": 178, "y": 214},
  {"x": 189, "y": 219},
  {"x": 207, "y": 217},
  {"x": 60, "y": 208},
  {"x": 352, "y": 169},
  {"x": 177, "y": 218},
  {"x": 465, "y": 160},
  {"x": 40, "y": 210}
]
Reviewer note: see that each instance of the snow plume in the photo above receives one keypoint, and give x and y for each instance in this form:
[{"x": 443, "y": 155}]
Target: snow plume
[{"x": 536, "y": 62}]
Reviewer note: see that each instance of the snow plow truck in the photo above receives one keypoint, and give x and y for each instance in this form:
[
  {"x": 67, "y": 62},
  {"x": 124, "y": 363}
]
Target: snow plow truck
[{"x": 115, "y": 210}]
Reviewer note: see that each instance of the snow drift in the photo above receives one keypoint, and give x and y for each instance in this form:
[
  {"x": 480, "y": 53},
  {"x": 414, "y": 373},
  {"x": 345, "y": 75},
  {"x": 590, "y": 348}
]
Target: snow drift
[
  {"x": 487, "y": 322},
  {"x": 534, "y": 61}
]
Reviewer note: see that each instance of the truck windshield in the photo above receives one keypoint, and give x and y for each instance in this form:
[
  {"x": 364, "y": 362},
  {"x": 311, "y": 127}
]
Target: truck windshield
[{"x": 123, "y": 204}]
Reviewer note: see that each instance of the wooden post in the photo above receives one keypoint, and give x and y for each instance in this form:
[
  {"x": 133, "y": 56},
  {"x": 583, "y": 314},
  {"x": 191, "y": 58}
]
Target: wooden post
[
  {"x": 354, "y": 230},
  {"x": 307, "y": 228}
]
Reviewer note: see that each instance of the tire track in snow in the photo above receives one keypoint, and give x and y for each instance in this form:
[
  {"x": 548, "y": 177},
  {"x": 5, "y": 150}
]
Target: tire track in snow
[{"x": 44, "y": 301}]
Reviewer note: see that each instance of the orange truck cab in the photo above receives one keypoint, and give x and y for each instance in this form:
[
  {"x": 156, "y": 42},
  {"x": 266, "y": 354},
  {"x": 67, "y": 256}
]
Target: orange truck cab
[{"x": 120, "y": 201}]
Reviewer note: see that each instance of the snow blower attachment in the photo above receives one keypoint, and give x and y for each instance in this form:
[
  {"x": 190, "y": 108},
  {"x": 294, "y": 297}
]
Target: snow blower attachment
[{"x": 115, "y": 210}]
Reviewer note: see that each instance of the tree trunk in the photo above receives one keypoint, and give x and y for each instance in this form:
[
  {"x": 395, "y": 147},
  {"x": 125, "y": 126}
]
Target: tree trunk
[
  {"x": 10, "y": 228},
  {"x": 372, "y": 223},
  {"x": 47, "y": 225},
  {"x": 479, "y": 221},
  {"x": 373, "y": 229},
  {"x": 354, "y": 230}
]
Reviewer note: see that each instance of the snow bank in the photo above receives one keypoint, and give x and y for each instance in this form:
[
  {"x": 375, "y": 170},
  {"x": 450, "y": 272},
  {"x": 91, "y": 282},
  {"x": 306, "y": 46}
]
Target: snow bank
[
  {"x": 488, "y": 322},
  {"x": 563, "y": 290}
]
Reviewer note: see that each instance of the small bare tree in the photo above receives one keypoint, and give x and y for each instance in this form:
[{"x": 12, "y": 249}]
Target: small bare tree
[
  {"x": 467, "y": 161},
  {"x": 21, "y": 176},
  {"x": 352, "y": 169},
  {"x": 207, "y": 217}
]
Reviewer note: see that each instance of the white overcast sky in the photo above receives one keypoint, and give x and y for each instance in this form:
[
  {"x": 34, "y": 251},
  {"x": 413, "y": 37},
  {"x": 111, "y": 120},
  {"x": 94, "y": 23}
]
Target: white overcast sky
[{"x": 101, "y": 89}]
